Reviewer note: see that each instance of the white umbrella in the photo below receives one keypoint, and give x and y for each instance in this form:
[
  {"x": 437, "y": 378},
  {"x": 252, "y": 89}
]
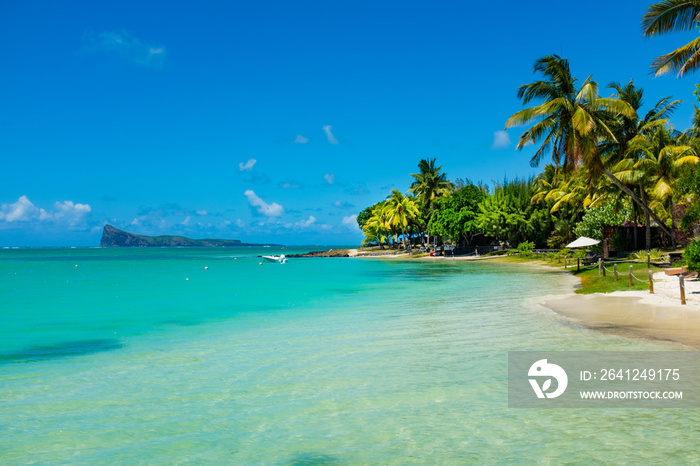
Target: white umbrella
[{"x": 582, "y": 242}]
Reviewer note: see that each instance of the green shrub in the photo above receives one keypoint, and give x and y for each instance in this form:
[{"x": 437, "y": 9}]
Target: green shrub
[
  {"x": 526, "y": 247},
  {"x": 655, "y": 255},
  {"x": 579, "y": 254},
  {"x": 595, "y": 218},
  {"x": 691, "y": 255}
]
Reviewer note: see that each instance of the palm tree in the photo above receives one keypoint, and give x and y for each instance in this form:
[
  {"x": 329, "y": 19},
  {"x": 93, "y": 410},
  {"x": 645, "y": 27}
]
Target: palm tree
[
  {"x": 568, "y": 191},
  {"x": 571, "y": 122},
  {"x": 674, "y": 15},
  {"x": 661, "y": 164},
  {"x": 378, "y": 228},
  {"x": 402, "y": 212},
  {"x": 626, "y": 129},
  {"x": 430, "y": 184}
]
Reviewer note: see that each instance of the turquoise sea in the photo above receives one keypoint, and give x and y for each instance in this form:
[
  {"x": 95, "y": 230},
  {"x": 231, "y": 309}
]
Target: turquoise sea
[{"x": 144, "y": 356}]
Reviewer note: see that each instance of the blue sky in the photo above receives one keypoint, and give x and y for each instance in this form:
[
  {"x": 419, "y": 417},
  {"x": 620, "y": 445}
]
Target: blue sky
[{"x": 276, "y": 121}]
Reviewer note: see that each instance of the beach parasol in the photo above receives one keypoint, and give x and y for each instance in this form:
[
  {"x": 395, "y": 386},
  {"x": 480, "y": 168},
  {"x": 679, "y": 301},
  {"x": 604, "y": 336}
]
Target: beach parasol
[{"x": 582, "y": 242}]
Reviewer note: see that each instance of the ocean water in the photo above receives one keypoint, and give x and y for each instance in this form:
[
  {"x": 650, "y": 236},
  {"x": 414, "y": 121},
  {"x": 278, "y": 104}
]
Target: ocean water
[{"x": 144, "y": 356}]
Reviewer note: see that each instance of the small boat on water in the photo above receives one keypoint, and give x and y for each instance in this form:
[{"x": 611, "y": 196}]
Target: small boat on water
[{"x": 281, "y": 258}]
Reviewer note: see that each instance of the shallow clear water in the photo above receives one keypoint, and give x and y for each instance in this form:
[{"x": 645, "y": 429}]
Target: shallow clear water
[{"x": 142, "y": 355}]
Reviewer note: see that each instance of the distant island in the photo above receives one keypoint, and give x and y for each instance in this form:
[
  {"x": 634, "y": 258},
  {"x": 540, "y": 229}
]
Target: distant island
[{"x": 115, "y": 238}]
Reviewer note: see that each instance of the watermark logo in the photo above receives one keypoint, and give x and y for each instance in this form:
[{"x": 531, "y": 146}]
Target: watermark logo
[{"x": 541, "y": 369}]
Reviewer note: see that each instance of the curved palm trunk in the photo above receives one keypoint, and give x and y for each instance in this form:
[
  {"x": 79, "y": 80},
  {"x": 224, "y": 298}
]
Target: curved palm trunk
[{"x": 641, "y": 204}]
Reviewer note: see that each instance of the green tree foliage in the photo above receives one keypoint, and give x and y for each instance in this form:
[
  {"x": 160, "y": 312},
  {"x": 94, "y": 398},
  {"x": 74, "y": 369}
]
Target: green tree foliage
[
  {"x": 377, "y": 228},
  {"x": 691, "y": 255},
  {"x": 428, "y": 185},
  {"x": 365, "y": 214},
  {"x": 509, "y": 215},
  {"x": 403, "y": 211},
  {"x": 689, "y": 188},
  {"x": 596, "y": 218},
  {"x": 455, "y": 216},
  {"x": 526, "y": 247},
  {"x": 562, "y": 234},
  {"x": 572, "y": 123}
]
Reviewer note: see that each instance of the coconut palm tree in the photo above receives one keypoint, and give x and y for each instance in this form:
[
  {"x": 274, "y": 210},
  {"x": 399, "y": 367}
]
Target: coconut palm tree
[
  {"x": 378, "y": 227},
  {"x": 660, "y": 165},
  {"x": 626, "y": 129},
  {"x": 429, "y": 184},
  {"x": 571, "y": 123},
  {"x": 402, "y": 212},
  {"x": 569, "y": 120},
  {"x": 674, "y": 15}
]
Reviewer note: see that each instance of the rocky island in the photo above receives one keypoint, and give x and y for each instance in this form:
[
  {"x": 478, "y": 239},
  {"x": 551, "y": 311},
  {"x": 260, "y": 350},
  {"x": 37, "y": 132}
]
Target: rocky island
[{"x": 114, "y": 238}]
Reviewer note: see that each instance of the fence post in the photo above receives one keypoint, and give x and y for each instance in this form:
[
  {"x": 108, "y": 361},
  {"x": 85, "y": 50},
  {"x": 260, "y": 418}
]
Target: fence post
[
  {"x": 682, "y": 283},
  {"x": 630, "y": 275},
  {"x": 602, "y": 264},
  {"x": 651, "y": 282},
  {"x": 648, "y": 260},
  {"x": 615, "y": 268}
]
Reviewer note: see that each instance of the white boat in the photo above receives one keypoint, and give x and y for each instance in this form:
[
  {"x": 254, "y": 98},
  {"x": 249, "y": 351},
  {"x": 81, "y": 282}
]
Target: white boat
[{"x": 281, "y": 258}]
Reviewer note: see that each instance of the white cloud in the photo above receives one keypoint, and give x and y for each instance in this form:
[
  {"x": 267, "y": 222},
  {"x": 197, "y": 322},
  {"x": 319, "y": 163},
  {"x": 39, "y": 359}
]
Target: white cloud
[
  {"x": 350, "y": 221},
  {"x": 240, "y": 223},
  {"x": 301, "y": 139},
  {"x": 201, "y": 212},
  {"x": 329, "y": 177},
  {"x": 306, "y": 223},
  {"x": 288, "y": 185},
  {"x": 70, "y": 212},
  {"x": 269, "y": 210},
  {"x": 501, "y": 140},
  {"x": 329, "y": 134},
  {"x": 21, "y": 211},
  {"x": 248, "y": 166},
  {"x": 128, "y": 46},
  {"x": 66, "y": 212},
  {"x": 186, "y": 221}
]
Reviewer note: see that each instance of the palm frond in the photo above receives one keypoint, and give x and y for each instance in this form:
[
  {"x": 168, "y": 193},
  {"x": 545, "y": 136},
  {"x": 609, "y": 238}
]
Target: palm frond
[
  {"x": 683, "y": 59},
  {"x": 670, "y": 15}
]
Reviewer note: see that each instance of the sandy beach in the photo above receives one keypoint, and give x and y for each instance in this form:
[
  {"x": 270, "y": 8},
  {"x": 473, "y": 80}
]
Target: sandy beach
[{"x": 639, "y": 314}]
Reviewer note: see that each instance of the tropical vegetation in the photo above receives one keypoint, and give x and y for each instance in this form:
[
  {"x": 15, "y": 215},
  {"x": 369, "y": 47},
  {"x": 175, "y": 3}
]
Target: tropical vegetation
[{"x": 613, "y": 170}]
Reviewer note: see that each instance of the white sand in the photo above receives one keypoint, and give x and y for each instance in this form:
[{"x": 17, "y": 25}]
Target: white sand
[
  {"x": 667, "y": 292},
  {"x": 638, "y": 314}
]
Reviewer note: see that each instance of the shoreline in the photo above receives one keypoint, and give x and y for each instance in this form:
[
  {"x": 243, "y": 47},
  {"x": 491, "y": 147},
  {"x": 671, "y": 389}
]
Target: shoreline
[
  {"x": 638, "y": 314},
  {"x": 658, "y": 317}
]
